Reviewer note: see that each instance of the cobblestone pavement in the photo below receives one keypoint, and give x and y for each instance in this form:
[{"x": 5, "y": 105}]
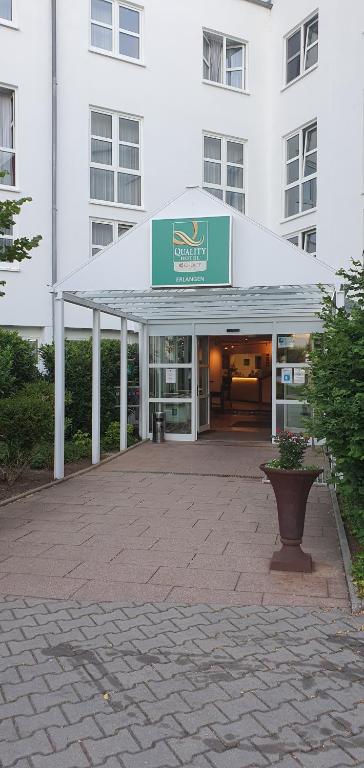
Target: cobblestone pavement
[
  {"x": 176, "y": 522},
  {"x": 122, "y": 685}
]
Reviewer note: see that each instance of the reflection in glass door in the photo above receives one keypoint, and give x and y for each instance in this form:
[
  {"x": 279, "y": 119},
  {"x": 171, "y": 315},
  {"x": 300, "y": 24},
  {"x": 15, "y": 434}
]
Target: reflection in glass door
[{"x": 203, "y": 387}]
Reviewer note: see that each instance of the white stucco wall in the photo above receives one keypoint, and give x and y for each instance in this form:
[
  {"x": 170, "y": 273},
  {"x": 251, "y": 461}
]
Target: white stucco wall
[{"x": 176, "y": 107}]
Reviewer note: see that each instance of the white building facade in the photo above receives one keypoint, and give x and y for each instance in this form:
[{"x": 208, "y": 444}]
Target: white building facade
[{"x": 109, "y": 109}]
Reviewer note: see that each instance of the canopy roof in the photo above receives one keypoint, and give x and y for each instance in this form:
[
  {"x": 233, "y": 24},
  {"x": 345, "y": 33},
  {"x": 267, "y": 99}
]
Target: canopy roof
[{"x": 205, "y": 304}]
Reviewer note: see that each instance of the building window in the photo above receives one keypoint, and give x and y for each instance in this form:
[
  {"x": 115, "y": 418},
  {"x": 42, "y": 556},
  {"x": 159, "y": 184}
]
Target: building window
[
  {"x": 116, "y": 28},
  {"x": 301, "y": 171},
  {"x": 7, "y": 153},
  {"x": 305, "y": 240},
  {"x": 105, "y": 232},
  {"x": 302, "y": 49},
  {"x": 223, "y": 169},
  {"x": 115, "y": 159},
  {"x": 224, "y": 60},
  {"x": 6, "y": 10},
  {"x": 7, "y": 238}
]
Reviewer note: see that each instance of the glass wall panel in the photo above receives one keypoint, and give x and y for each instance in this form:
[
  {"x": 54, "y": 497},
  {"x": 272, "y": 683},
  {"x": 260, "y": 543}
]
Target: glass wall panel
[
  {"x": 170, "y": 349},
  {"x": 293, "y": 348},
  {"x": 178, "y": 417},
  {"x": 294, "y": 390},
  {"x": 293, "y": 417},
  {"x": 170, "y": 382}
]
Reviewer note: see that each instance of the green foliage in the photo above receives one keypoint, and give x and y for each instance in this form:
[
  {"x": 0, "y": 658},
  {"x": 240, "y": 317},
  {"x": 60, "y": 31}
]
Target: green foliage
[
  {"x": 336, "y": 392},
  {"x": 18, "y": 362},
  {"x": 82, "y": 443},
  {"x": 111, "y": 438},
  {"x": 291, "y": 448},
  {"x": 42, "y": 457},
  {"x": 358, "y": 573},
  {"x": 20, "y": 248},
  {"x": 27, "y": 417}
]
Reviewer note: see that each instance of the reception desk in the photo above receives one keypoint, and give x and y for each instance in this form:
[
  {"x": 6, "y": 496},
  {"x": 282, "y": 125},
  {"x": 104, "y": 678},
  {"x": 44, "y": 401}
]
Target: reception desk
[{"x": 245, "y": 389}]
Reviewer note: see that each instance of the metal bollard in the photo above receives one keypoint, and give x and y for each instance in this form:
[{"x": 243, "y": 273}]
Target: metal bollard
[{"x": 159, "y": 426}]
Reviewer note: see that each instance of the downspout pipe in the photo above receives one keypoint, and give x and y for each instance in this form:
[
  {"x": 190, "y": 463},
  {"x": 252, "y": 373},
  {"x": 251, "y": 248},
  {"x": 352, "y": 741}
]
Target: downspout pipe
[{"x": 54, "y": 154}]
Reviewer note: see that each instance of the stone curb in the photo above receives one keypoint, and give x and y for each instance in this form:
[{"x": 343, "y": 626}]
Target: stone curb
[
  {"x": 31, "y": 491},
  {"x": 357, "y": 604}
]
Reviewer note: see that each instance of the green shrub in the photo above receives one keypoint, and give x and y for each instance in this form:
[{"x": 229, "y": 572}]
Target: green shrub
[
  {"x": 111, "y": 438},
  {"x": 42, "y": 457},
  {"x": 358, "y": 573},
  {"x": 18, "y": 362},
  {"x": 27, "y": 418},
  {"x": 82, "y": 443}
]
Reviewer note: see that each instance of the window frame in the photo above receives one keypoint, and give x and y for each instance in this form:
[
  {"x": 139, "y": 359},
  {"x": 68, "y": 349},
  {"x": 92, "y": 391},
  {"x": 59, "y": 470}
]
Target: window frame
[
  {"x": 301, "y": 157},
  {"x": 116, "y": 29},
  {"x": 244, "y": 67},
  {"x": 301, "y": 234},
  {"x": 11, "y": 150},
  {"x": 302, "y": 28},
  {"x": 115, "y": 225},
  {"x": 7, "y": 266},
  {"x": 10, "y": 22},
  {"x": 114, "y": 166},
  {"x": 224, "y": 163}
]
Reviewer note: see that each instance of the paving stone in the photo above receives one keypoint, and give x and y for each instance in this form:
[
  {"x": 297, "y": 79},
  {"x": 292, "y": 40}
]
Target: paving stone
[
  {"x": 156, "y": 757},
  {"x": 100, "y": 749},
  {"x": 72, "y": 757},
  {"x": 11, "y": 751}
]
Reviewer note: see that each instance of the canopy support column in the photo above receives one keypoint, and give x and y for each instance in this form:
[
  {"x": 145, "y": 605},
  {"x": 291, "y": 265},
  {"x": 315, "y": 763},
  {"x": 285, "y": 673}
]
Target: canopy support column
[
  {"x": 143, "y": 380},
  {"x": 59, "y": 388},
  {"x": 96, "y": 386},
  {"x": 123, "y": 384}
]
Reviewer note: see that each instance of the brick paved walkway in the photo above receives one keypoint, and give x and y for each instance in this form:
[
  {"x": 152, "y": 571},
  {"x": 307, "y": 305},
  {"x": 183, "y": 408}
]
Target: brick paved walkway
[
  {"x": 157, "y": 686},
  {"x": 137, "y": 528}
]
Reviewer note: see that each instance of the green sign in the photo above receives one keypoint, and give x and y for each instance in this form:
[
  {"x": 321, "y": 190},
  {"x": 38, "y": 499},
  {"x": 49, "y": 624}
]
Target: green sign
[{"x": 190, "y": 252}]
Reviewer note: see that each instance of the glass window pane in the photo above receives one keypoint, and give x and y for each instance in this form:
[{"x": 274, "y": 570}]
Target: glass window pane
[
  {"x": 101, "y": 125},
  {"x": 101, "y": 152},
  {"x": 309, "y": 194},
  {"x": 310, "y": 138},
  {"x": 212, "y": 148},
  {"x": 129, "y": 45},
  {"x": 236, "y": 200},
  {"x": 129, "y": 19},
  {"x": 293, "y": 147},
  {"x": 292, "y": 201},
  {"x": 312, "y": 31},
  {"x": 235, "y": 78},
  {"x": 6, "y": 9},
  {"x": 170, "y": 349},
  {"x": 206, "y": 71},
  {"x": 101, "y": 37},
  {"x": 101, "y": 10},
  {"x": 129, "y": 157},
  {"x": 122, "y": 228},
  {"x": 294, "y": 391},
  {"x": 234, "y": 54},
  {"x": 311, "y": 57},
  {"x": 129, "y": 130},
  {"x": 235, "y": 152},
  {"x": 293, "y": 348},
  {"x": 178, "y": 417},
  {"x": 215, "y": 192},
  {"x": 310, "y": 164},
  {"x": 216, "y": 58},
  {"x": 294, "y": 44},
  {"x": 181, "y": 387},
  {"x": 235, "y": 177},
  {"x": 6, "y": 118},
  {"x": 293, "y": 68},
  {"x": 206, "y": 48},
  {"x": 129, "y": 189},
  {"x": 102, "y": 184},
  {"x": 293, "y": 170},
  {"x": 102, "y": 233},
  {"x": 293, "y": 417},
  {"x": 309, "y": 241},
  {"x": 7, "y": 164},
  {"x": 294, "y": 240},
  {"x": 212, "y": 172}
]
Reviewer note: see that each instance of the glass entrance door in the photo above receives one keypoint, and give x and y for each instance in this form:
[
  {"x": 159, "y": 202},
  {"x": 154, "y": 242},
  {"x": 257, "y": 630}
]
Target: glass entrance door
[{"x": 203, "y": 387}]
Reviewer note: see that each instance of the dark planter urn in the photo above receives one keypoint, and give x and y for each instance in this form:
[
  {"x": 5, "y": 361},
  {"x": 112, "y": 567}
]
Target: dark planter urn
[{"x": 291, "y": 488}]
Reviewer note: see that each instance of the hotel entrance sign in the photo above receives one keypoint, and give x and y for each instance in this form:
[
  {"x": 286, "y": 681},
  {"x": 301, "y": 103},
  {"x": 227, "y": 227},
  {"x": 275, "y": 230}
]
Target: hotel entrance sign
[{"x": 191, "y": 252}]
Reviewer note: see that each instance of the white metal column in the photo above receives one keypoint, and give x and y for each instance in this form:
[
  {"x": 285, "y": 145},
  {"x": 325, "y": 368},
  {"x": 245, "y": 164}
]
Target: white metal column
[
  {"x": 143, "y": 380},
  {"x": 59, "y": 388},
  {"x": 274, "y": 379},
  {"x": 96, "y": 386},
  {"x": 123, "y": 384}
]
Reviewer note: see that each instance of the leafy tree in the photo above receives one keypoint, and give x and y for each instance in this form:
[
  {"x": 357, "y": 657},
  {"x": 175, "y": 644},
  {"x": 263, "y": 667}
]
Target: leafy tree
[
  {"x": 18, "y": 249},
  {"x": 336, "y": 392}
]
